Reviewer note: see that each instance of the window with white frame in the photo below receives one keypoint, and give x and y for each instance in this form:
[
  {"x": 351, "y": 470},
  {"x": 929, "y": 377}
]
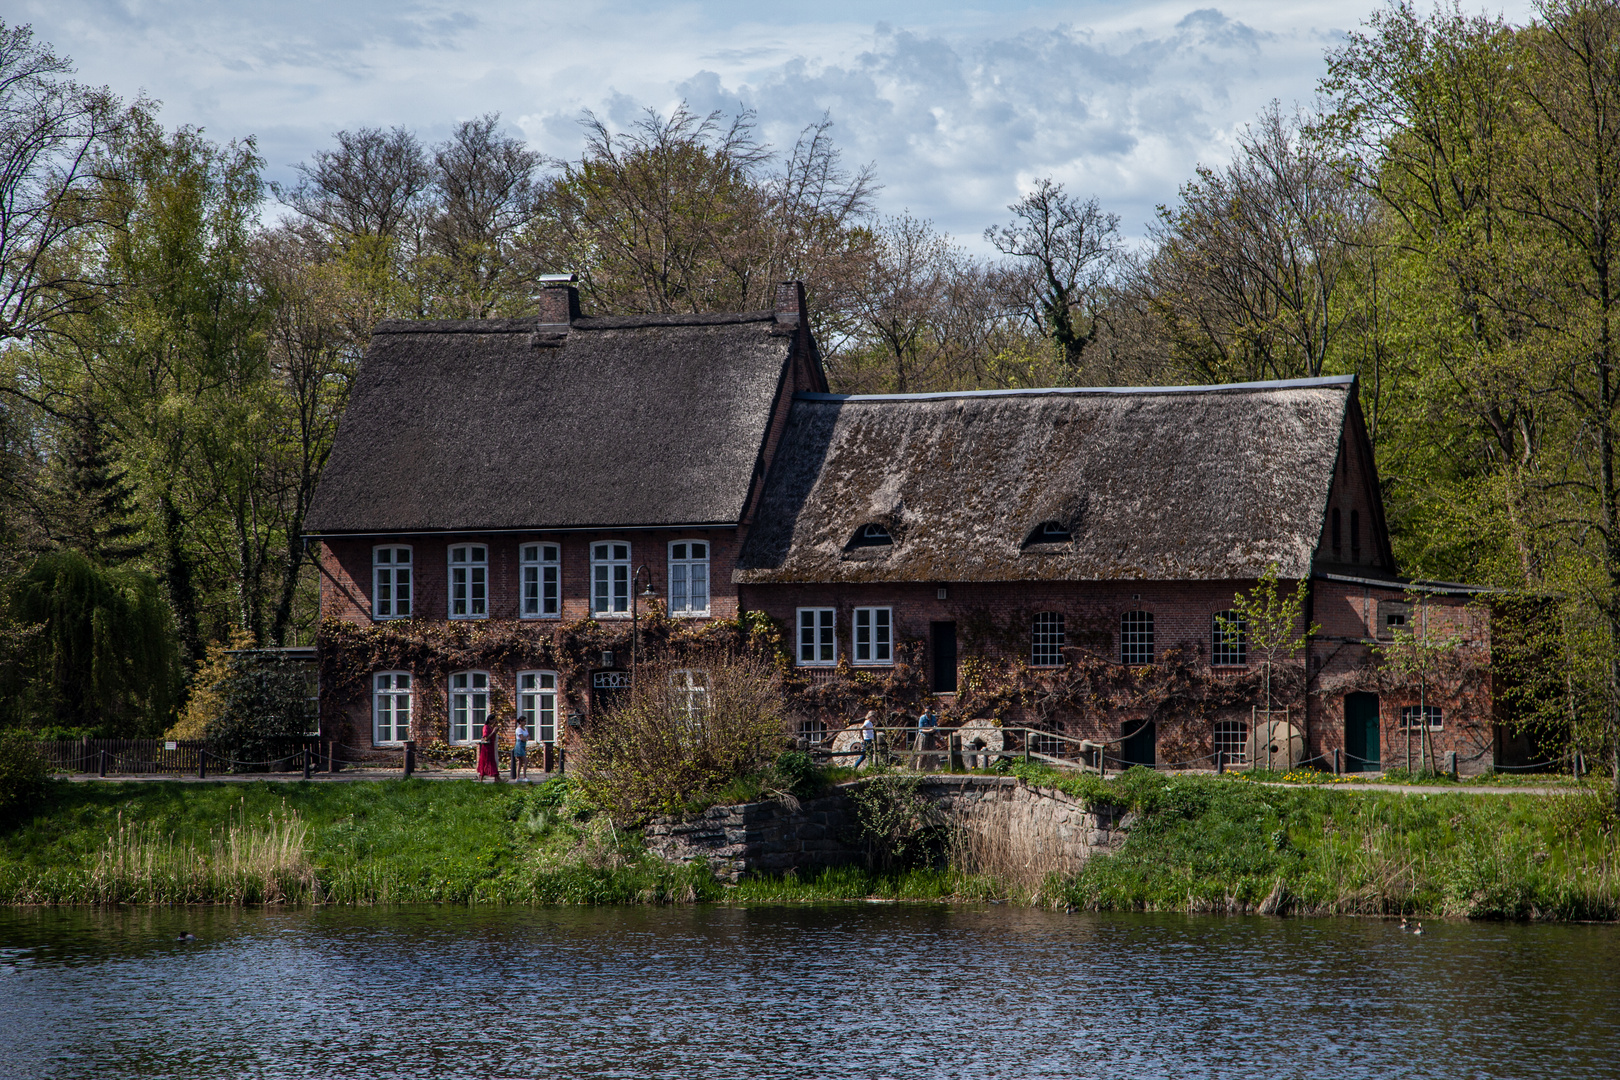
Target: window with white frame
[
  {"x": 1136, "y": 637},
  {"x": 537, "y": 704},
  {"x": 391, "y": 707},
  {"x": 469, "y": 581},
  {"x": 689, "y": 577},
  {"x": 541, "y": 569},
  {"x": 469, "y": 705},
  {"x": 874, "y": 635},
  {"x": 1232, "y": 741},
  {"x": 691, "y": 689},
  {"x": 1413, "y": 717},
  {"x": 813, "y": 730},
  {"x": 1046, "y": 639},
  {"x": 1228, "y": 639},
  {"x": 610, "y": 579},
  {"x": 391, "y": 582},
  {"x": 817, "y": 643}
]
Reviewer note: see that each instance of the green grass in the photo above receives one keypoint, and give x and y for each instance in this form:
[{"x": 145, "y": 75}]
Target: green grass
[{"x": 1223, "y": 844}]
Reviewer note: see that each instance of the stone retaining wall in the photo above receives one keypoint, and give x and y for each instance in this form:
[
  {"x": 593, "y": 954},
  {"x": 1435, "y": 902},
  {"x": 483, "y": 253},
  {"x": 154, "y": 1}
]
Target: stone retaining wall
[{"x": 1002, "y": 823}]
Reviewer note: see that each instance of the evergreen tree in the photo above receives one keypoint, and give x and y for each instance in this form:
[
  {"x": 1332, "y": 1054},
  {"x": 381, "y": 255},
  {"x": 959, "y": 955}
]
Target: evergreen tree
[{"x": 100, "y": 516}]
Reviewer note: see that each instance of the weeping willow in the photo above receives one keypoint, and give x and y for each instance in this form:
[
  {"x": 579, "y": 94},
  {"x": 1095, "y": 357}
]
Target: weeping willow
[{"x": 103, "y": 656}]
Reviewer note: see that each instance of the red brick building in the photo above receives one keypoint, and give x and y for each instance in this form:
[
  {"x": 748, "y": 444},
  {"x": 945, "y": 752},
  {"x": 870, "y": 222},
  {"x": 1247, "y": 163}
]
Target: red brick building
[{"x": 506, "y": 496}]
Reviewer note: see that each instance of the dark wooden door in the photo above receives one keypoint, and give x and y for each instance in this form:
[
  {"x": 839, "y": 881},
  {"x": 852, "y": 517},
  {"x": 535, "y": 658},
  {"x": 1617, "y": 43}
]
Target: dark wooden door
[
  {"x": 944, "y": 638},
  {"x": 1361, "y": 752},
  {"x": 1141, "y": 745}
]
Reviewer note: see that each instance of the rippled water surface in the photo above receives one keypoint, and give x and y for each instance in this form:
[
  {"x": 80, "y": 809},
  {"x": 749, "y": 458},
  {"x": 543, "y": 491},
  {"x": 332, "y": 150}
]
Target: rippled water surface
[{"x": 855, "y": 990}]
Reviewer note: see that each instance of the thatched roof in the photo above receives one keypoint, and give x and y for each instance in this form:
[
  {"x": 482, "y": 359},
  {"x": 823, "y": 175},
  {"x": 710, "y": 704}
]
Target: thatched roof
[
  {"x": 520, "y": 424},
  {"x": 1151, "y": 484}
]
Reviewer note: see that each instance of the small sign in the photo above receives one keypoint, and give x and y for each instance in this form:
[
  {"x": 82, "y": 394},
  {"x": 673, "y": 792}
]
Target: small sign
[{"x": 171, "y": 745}]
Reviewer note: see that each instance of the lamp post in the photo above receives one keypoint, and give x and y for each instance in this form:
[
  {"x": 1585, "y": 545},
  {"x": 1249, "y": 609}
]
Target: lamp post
[{"x": 635, "y": 615}]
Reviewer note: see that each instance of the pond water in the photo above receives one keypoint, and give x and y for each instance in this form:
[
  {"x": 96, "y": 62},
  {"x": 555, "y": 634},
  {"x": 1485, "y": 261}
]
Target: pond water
[{"x": 858, "y": 990}]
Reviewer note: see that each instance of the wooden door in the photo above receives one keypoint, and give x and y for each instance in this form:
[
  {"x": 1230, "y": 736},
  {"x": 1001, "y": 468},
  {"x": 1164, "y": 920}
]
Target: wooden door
[
  {"x": 944, "y": 639},
  {"x": 1361, "y": 752}
]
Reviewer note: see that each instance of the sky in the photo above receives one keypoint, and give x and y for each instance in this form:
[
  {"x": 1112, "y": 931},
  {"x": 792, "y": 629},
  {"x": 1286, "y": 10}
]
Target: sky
[{"x": 958, "y": 107}]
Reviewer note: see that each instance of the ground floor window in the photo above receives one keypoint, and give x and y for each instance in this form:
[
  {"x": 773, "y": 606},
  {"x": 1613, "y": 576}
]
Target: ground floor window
[
  {"x": 391, "y": 708},
  {"x": 1413, "y": 717},
  {"x": 813, "y": 730},
  {"x": 1232, "y": 741},
  {"x": 691, "y": 688},
  {"x": 469, "y": 705},
  {"x": 537, "y": 704}
]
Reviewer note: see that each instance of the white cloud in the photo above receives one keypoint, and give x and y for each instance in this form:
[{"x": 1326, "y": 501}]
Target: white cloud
[{"x": 959, "y": 109}]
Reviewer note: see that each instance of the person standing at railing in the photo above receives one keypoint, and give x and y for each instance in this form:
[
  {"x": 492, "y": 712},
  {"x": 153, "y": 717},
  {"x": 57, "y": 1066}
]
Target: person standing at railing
[
  {"x": 926, "y": 724},
  {"x": 868, "y": 737}
]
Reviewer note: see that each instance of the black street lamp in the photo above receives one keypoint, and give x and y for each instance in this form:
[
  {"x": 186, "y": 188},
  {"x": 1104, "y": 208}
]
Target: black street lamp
[{"x": 635, "y": 615}]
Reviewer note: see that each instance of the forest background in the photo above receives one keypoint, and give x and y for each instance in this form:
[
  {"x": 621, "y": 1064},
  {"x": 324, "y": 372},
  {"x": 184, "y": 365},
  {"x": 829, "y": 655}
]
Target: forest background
[{"x": 178, "y": 337}]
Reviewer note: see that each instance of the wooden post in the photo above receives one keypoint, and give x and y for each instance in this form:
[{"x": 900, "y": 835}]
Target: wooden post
[
  {"x": 1220, "y": 761},
  {"x": 562, "y": 759},
  {"x": 202, "y": 762},
  {"x": 307, "y": 770},
  {"x": 1338, "y": 763},
  {"x": 1451, "y": 764},
  {"x": 101, "y": 767},
  {"x": 331, "y": 756},
  {"x": 551, "y": 756},
  {"x": 410, "y": 756},
  {"x": 514, "y": 761}
]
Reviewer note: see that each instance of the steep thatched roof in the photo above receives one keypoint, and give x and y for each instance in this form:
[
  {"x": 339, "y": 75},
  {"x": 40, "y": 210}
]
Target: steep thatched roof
[
  {"x": 519, "y": 424},
  {"x": 1150, "y": 484}
]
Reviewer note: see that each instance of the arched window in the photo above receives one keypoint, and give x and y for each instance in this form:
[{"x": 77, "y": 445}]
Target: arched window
[
  {"x": 1046, "y": 639},
  {"x": 871, "y": 534},
  {"x": 1136, "y": 637},
  {"x": 1228, "y": 639},
  {"x": 537, "y": 704},
  {"x": 391, "y": 707},
  {"x": 469, "y": 705},
  {"x": 1049, "y": 532}
]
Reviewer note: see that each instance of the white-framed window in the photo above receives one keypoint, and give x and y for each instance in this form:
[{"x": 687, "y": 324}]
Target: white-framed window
[
  {"x": 817, "y": 643},
  {"x": 874, "y": 635},
  {"x": 610, "y": 579},
  {"x": 1228, "y": 639},
  {"x": 1046, "y": 639},
  {"x": 537, "y": 704},
  {"x": 391, "y": 582},
  {"x": 541, "y": 569},
  {"x": 391, "y": 707},
  {"x": 469, "y": 705},
  {"x": 1136, "y": 637},
  {"x": 1232, "y": 740},
  {"x": 1413, "y": 717},
  {"x": 689, "y": 577},
  {"x": 691, "y": 687},
  {"x": 469, "y": 581},
  {"x": 813, "y": 730}
]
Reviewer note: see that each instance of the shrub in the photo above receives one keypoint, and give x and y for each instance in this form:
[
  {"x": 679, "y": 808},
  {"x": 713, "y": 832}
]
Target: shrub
[
  {"x": 684, "y": 732},
  {"x": 266, "y": 705},
  {"x": 898, "y": 827},
  {"x": 23, "y": 775}
]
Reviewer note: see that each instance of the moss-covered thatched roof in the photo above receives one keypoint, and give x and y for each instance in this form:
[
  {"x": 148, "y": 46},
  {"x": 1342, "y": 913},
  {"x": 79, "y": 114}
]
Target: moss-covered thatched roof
[{"x": 1149, "y": 484}]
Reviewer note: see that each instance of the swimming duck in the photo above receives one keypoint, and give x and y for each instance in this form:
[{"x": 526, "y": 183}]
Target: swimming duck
[
  {"x": 186, "y": 937},
  {"x": 1403, "y": 926},
  {"x": 1418, "y": 929}
]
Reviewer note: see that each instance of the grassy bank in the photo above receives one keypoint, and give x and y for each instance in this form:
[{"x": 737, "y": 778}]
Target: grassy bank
[{"x": 1198, "y": 844}]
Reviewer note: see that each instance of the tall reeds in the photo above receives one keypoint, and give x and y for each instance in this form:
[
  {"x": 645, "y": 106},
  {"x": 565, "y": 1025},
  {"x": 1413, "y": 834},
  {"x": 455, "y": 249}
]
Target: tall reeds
[{"x": 242, "y": 862}]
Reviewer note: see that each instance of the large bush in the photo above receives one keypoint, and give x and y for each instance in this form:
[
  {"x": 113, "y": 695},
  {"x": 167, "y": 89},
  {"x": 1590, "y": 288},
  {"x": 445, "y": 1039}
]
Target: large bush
[
  {"x": 265, "y": 704},
  {"x": 22, "y": 773},
  {"x": 684, "y": 732}
]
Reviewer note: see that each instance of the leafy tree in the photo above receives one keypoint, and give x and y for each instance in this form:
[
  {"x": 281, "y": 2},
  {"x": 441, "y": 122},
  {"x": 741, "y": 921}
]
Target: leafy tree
[
  {"x": 1272, "y": 622},
  {"x": 104, "y": 657}
]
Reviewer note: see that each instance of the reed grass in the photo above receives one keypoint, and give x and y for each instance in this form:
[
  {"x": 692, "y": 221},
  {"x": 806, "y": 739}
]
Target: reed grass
[{"x": 243, "y": 862}]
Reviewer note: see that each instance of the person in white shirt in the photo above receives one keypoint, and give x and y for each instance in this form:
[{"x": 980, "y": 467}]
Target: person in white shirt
[
  {"x": 868, "y": 737},
  {"x": 520, "y": 749}
]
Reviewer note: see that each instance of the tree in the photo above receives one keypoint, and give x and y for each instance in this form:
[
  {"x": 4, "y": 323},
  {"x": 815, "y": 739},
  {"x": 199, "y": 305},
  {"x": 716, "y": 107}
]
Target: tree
[
  {"x": 51, "y": 132},
  {"x": 104, "y": 659},
  {"x": 1415, "y": 653},
  {"x": 1065, "y": 249},
  {"x": 99, "y": 515},
  {"x": 1272, "y": 623}
]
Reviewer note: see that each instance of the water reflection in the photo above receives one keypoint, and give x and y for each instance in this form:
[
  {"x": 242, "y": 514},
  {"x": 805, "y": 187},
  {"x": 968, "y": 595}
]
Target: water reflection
[{"x": 850, "y": 990}]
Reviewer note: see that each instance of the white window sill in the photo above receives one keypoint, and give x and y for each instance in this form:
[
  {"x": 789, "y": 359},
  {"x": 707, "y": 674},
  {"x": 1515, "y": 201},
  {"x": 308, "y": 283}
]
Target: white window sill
[
  {"x": 817, "y": 663},
  {"x": 390, "y": 618},
  {"x": 468, "y": 618},
  {"x": 601, "y": 615},
  {"x": 871, "y": 663},
  {"x": 540, "y": 618},
  {"x": 385, "y": 745},
  {"x": 704, "y": 614}
]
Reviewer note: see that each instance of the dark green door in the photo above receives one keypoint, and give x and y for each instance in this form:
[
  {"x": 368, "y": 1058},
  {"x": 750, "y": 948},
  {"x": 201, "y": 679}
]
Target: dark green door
[
  {"x": 1141, "y": 745},
  {"x": 1361, "y": 733}
]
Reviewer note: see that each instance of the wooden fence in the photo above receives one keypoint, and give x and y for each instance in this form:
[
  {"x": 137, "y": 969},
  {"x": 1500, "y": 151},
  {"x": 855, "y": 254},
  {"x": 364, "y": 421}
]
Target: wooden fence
[{"x": 177, "y": 757}]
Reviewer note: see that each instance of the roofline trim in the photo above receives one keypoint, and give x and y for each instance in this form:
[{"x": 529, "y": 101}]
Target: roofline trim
[
  {"x": 1439, "y": 588},
  {"x": 506, "y": 530},
  {"x": 1281, "y": 384}
]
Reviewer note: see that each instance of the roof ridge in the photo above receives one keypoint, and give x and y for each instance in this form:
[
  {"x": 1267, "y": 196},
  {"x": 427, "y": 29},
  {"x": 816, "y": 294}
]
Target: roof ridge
[{"x": 1278, "y": 384}]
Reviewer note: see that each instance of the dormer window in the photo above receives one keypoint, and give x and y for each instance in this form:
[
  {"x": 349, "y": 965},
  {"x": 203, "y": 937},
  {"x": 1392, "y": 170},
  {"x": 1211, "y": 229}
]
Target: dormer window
[
  {"x": 1048, "y": 532},
  {"x": 872, "y": 535}
]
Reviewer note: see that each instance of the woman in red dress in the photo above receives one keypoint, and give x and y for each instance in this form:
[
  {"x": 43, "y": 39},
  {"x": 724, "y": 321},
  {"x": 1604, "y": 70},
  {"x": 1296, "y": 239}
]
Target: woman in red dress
[{"x": 486, "y": 754}]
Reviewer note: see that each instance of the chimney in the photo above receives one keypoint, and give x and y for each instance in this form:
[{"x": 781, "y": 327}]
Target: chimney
[
  {"x": 558, "y": 299},
  {"x": 790, "y": 309}
]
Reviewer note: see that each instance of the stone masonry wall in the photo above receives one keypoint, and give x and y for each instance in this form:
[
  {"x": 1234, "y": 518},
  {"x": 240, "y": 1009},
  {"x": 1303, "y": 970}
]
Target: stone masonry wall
[{"x": 1039, "y": 827}]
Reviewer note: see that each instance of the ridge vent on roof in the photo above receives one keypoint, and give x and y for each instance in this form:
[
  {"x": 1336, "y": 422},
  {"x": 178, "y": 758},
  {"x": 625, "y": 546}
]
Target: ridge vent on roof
[{"x": 1279, "y": 384}]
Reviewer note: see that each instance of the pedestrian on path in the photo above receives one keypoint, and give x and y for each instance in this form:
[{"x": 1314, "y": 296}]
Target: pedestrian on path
[
  {"x": 487, "y": 765},
  {"x": 868, "y": 738},
  {"x": 520, "y": 749}
]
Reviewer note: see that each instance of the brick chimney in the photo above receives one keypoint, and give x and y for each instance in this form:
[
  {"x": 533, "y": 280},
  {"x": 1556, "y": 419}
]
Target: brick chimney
[
  {"x": 558, "y": 299},
  {"x": 790, "y": 309}
]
